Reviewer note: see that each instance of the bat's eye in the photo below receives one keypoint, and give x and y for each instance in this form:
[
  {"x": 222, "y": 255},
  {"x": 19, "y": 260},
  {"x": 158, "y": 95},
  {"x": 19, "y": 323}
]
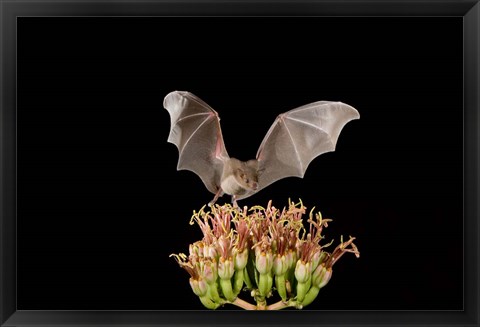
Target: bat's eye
[{"x": 246, "y": 180}]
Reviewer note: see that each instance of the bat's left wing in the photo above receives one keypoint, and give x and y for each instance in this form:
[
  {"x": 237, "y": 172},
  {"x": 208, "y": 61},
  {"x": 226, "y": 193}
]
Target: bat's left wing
[
  {"x": 195, "y": 130},
  {"x": 299, "y": 136}
]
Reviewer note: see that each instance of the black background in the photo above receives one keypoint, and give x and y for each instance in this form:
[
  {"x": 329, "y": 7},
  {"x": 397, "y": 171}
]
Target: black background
[{"x": 101, "y": 205}]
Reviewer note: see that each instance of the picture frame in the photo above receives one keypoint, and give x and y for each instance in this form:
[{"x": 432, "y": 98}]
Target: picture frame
[{"x": 10, "y": 316}]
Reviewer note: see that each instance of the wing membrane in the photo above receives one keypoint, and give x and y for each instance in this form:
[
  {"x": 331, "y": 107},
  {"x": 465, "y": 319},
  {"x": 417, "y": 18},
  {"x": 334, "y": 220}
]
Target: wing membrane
[
  {"x": 299, "y": 136},
  {"x": 195, "y": 130}
]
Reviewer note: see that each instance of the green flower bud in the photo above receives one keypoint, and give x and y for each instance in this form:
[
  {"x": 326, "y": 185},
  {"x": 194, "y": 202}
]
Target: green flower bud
[
  {"x": 241, "y": 259},
  {"x": 225, "y": 268},
  {"x": 213, "y": 293},
  {"x": 270, "y": 282},
  {"x": 247, "y": 279},
  {"x": 237, "y": 281},
  {"x": 311, "y": 295},
  {"x": 226, "y": 285},
  {"x": 303, "y": 271},
  {"x": 302, "y": 289},
  {"x": 208, "y": 303},
  {"x": 281, "y": 286},
  {"x": 265, "y": 284}
]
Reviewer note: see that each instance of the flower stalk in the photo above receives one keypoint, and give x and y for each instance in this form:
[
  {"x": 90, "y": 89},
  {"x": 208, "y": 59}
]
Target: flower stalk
[{"x": 260, "y": 251}]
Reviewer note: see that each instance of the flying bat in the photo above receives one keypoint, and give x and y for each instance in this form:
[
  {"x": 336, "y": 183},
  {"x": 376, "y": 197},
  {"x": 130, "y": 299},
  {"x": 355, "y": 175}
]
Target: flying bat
[{"x": 296, "y": 138}]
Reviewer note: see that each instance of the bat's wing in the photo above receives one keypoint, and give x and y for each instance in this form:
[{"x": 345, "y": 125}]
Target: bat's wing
[
  {"x": 299, "y": 136},
  {"x": 195, "y": 130}
]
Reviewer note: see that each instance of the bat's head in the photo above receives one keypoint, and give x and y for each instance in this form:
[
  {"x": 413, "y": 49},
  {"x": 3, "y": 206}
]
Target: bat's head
[{"x": 247, "y": 175}]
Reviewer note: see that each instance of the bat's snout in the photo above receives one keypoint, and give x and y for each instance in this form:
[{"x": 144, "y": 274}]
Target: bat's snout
[{"x": 254, "y": 186}]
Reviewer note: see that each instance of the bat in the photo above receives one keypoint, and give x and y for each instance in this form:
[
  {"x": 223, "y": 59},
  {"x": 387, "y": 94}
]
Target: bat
[{"x": 296, "y": 138}]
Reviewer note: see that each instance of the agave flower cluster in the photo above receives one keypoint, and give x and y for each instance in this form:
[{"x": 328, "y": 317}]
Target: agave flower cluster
[{"x": 263, "y": 251}]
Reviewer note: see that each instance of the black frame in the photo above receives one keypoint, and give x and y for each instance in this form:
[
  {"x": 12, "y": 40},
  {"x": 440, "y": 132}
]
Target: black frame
[{"x": 469, "y": 9}]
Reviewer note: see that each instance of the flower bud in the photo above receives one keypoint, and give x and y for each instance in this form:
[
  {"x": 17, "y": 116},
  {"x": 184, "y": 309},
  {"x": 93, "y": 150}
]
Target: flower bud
[
  {"x": 225, "y": 268},
  {"x": 326, "y": 277},
  {"x": 291, "y": 258},
  {"x": 281, "y": 286},
  {"x": 303, "y": 271},
  {"x": 302, "y": 289},
  {"x": 318, "y": 274},
  {"x": 280, "y": 265},
  {"x": 310, "y": 296},
  {"x": 317, "y": 258},
  {"x": 209, "y": 271},
  {"x": 265, "y": 283},
  {"x": 208, "y": 303},
  {"x": 238, "y": 280},
  {"x": 226, "y": 286},
  {"x": 199, "y": 287},
  {"x": 264, "y": 262},
  {"x": 241, "y": 259}
]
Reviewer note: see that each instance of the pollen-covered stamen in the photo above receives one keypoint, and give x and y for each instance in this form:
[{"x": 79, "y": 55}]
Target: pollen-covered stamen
[
  {"x": 188, "y": 266},
  {"x": 263, "y": 245},
  {"x": 260, "y": 227},
  {"x": 307, "y": 248},
  {"x": 201, "y": 218},
  {"x": 316, "y": 227},
  {"x": 296, "y": 212},
  {"x": 340, "y": 250},
  {"x": 242, "y": 234},
  {"x": 269, "y": 206},
  {"x": 292, "y": 239},
  {"x": 221, "y": 223},
  {"x": 226, "y": 218},
  {"x": 281, "y": 246},
  {"x": 225, "y": 245},
  {"x": 273, "y": 235}
]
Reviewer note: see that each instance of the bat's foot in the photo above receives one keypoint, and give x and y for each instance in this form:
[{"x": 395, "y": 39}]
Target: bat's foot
[
  {"x": 234, "y": 201},
  {"x": 215, "y": 198}
]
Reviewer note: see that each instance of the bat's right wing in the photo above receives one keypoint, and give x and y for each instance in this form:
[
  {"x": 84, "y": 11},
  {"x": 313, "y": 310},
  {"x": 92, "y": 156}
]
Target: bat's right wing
[
  {"x": 195, "y": 130},
  {"x": 299, "y": 136}
]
